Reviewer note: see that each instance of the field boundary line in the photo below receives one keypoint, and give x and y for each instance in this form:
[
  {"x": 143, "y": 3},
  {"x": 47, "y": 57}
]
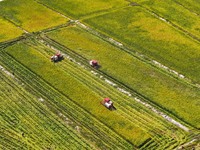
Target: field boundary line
[
  {"x": 138, "y": 56},
  {"x": 83, "y": 17},
  {"x": 104, "y": 12},
  {"x": 116, "y": 84},
  {"x": 51, "y": 9},
  {"x": 31, "y": 34},
  {"x": 178, "y": 3},
  {"x": 11, "y": 42},
  {"x": 133, "y": 4},
  {"x": 134, "y": 53}
]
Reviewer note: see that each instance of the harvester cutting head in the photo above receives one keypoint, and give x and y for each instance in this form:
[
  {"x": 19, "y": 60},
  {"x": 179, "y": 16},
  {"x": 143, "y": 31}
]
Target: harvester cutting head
[
  {"x": 57, "y": 57},
  {"x": 108, "y": 103},
  {"x": 94, "y": 63}
]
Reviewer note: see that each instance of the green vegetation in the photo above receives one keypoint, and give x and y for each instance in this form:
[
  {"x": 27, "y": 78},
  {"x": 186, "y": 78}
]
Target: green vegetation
[
  {"x": 70, "y": 113},
  {"x": 28, "y": 124},
  {"x": 191, "y": 5},
  {"x": 158, "y": 87},
  {"x": 131, "y": 120},
  {"x": 143, "y": 47},
  {"x": 30, "y": 15},
  {"x": 80, "y": 8},
  {"x": 172, "y": 11},
  {"x": 77, "y": 91},
  {"x": 8, "y": 31},
  {"x": 144, "y": 33}
]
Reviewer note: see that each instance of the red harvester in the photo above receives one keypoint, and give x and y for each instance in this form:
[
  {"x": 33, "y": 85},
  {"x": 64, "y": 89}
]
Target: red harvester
[
  {"x": 108, "y": 103},
  {"x": 94, "y": 63},
  {"x": 57, "y": 57}
]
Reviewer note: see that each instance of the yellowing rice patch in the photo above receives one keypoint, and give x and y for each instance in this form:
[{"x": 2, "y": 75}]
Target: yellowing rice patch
[
  {"x": 8, "y": 31},
  {"x": 31, "y": 15}
]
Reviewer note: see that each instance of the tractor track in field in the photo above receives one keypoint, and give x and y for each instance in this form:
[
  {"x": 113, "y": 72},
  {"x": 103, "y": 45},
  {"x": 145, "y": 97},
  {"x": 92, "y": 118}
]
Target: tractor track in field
[
  {"x": 70, "y": 103},
  {"x": 73, "y": 60},
  {"x": 35, "y": 105},
  {"x": 98, "y": 90},
  {"x": 178, "y": 3},
  {"x": 112, "y": 81},
  {"x": 108, "y": 79},
  {"x": 7, "y": 72},
  {"x": 121, "y": 46}
]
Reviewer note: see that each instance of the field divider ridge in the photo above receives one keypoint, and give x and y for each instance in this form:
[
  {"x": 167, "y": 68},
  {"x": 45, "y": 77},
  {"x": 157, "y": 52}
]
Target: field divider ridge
[{"x": 138, "y": 56}]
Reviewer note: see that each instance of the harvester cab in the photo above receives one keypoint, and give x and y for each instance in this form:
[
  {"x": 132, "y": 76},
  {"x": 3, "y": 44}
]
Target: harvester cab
[
  {"x": 108, "y": 103},
  {"x": 57, "y": 57},
  {"x": 94, "y": 63}
]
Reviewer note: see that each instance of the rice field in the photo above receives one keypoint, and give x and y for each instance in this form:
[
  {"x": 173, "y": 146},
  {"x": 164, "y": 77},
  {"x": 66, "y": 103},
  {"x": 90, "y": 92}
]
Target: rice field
[
  {"x": 158, "y": 87},
  {"x": 76, "y": 87},
  {"x": 28, "y": 124},
  {"x": 149, "y": 68},
  {"x": 79, "y": 8},
  {"x": 146, "y": 34},
  {"x": 30, "y": 15},
  {"x": 192, "y": 5},
  {"x": 171, "y": 10}
]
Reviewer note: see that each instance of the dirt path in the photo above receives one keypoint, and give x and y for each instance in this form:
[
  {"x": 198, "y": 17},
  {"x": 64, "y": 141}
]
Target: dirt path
[{"x": 7, "y": 72}]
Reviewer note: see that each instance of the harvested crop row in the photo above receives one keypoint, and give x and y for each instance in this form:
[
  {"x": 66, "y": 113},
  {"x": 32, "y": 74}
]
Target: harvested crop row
[
  {"x": 32, "y": 127},
  {"x": 69, "y": 88},
  {"x": 158, "y": 87},
  {"x": 126, "y": 111},
  {"x": 77, "y": 59},
  {"x": 66, "y": 107},
  {"x": 54, "y": 98}
]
